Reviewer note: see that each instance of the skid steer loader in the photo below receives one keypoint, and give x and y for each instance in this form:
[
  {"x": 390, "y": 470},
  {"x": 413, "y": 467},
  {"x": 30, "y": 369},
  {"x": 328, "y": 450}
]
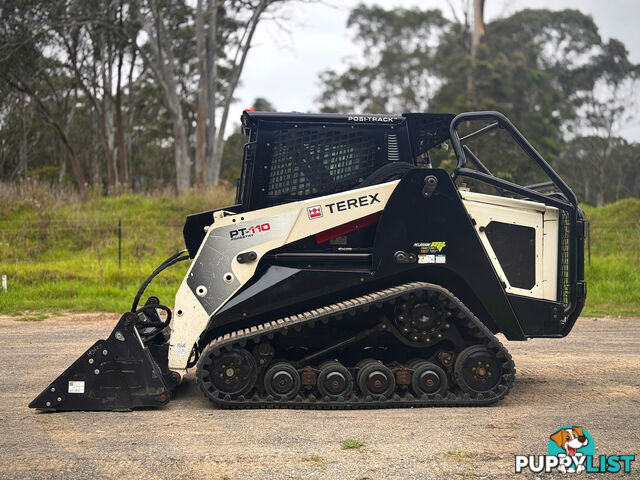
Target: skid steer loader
[{"x": 346, "y": 276}]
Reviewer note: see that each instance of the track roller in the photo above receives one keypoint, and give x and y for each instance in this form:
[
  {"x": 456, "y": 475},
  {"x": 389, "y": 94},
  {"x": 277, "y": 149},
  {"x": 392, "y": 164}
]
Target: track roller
[
  {"x": 334, "y": 380},
  {"x": 428, "y": 378},
  {"x": 375, "y": 379},
  {"x": 282, "y": 381}
]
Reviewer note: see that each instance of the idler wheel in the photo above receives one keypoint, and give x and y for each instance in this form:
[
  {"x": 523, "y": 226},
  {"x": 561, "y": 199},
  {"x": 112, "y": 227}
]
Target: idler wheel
[
  {"x": 334, "y": 380},
  {"x": 233, "y": 372},
  {"x": 477, "y": 369},
  {"x": 374, "y": 378},
  {"x": 282, "y": 381},
  {"x": 428, "y": 378}
]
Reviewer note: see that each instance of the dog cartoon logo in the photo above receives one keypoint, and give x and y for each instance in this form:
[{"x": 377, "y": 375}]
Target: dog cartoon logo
[
  {"x": 570, "y": 449},
  {"x": 574, "y": 442}
]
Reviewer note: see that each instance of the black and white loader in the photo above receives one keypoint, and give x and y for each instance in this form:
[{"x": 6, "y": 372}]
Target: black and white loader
[{"x": 350, "y": 274}]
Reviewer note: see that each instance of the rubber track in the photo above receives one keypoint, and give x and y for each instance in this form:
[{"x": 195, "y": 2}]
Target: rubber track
[{"x": 336, "y": 311}]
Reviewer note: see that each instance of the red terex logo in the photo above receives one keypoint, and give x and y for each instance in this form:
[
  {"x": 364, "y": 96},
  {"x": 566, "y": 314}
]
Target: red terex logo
[{"x": 314, "y": 212}]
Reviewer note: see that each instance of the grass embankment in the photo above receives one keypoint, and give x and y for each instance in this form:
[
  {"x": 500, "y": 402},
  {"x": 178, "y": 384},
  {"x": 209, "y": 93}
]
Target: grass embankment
[
  {"x": 62, "y": 255},
  {"x": 613, "y": 277}
]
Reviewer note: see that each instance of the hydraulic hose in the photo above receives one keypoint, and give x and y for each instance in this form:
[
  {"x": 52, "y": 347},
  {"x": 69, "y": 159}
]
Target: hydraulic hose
[
  {"x": 153, "y": 308},
  {"x": 172, "y": 260}
]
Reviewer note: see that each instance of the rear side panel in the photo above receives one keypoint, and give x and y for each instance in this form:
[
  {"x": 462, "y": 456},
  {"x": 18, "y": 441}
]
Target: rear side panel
[{"x": 521, "y": 239}]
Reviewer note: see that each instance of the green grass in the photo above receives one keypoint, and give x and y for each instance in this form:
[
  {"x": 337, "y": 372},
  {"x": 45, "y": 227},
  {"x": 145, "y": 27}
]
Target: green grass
[
  {"x": 613, "y": 276},
  {"x": 60, "y": 254},
  {"x": 38, "y": 317},
  {"x": 350, "y": 444},
  {"x": 317, "y": 459},
  {"x": 63, "y": 256},
  {"x": 459, "y": 456}
]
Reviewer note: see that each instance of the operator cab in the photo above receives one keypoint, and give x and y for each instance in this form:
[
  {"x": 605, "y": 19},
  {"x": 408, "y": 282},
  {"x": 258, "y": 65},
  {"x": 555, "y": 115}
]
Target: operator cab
[{"x": 291, "y": 156}]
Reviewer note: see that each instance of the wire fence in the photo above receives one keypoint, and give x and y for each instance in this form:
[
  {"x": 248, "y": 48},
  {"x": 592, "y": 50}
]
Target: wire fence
[
  {"x": 16, "y": 236},
  {"x": 112, "y": 238}
]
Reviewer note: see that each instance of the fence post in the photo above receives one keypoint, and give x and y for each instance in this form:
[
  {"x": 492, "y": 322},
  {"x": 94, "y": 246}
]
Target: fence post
[
  {"x": 589, "y": 242},
  {"x": 4, "y": 283},
  {"x": 120, "y": 243}
]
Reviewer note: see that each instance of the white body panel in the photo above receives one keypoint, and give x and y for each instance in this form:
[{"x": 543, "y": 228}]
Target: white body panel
[
  {"x": 293, "y": 221},
  {"x": 544, "y": 219}
]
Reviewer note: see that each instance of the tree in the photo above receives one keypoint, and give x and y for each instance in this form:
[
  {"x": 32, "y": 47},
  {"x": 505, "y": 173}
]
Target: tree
[
  {"x": 24, "y": 69},
  {"x": 597, "y": 178},
  {"x": 231, "y": 164},
  {"x": 397, "y": 69},
  {"x": 607, "y": 106},
  {"x": 94, "y": 71},
  {"x": 76, "y": 52},
  {"x": 223, "y": 33},
  {"x": 537, "y": 66},
  {"x": 95, "y": 38}
]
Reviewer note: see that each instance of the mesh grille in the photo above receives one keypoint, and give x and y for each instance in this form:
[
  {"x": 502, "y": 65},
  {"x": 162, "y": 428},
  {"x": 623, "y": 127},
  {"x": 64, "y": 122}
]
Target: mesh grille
[
  {"x": 428, "y": 131},
  {"x": 308, "y": 161},
  {"x": 564, "y": 258}
]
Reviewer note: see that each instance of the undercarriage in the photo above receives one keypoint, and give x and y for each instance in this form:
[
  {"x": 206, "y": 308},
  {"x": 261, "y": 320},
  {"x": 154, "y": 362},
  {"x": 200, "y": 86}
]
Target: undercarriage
[{"x": 411, "y": 345}]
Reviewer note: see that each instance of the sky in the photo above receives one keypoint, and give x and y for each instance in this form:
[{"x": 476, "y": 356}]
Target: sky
[{"x": 287, "y": 57}]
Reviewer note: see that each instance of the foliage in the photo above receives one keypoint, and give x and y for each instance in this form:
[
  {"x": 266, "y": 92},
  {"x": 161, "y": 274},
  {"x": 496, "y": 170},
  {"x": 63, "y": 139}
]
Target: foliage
[
  {"x": 550, "y": 72},
  {"x": 350, "y": 444},
  {"x": 398, "y": 72},
  {"x": 232, "y": 157},
  {"x": 106, "y": 92},
  {"x": 231, "y": 166},
  {"x": 601, "y": 170}
]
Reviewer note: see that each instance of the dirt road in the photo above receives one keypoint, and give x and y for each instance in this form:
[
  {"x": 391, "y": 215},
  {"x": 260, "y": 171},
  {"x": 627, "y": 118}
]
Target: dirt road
[{"x": 591, "y": 378}]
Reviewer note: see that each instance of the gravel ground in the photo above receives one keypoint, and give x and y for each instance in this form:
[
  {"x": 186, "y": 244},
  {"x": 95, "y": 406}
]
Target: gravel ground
[{"x": 591, "y": 378}]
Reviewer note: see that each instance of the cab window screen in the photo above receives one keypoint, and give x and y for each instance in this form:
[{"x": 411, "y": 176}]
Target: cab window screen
[{"x": 306, "y": 161}]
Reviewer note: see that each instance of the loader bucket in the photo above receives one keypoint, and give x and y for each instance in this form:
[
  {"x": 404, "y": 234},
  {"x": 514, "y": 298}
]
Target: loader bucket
[{"x": 118, "y": 373}]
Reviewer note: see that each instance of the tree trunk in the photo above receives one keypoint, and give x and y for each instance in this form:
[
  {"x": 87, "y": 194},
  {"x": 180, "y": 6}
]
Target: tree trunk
[
  {"x": 123, "y": 168},
  {"x": 477, "y": 32},
  {"x": 243, "y": 50},
  {"x": 62, "y": 171},
  {"x": 478, "y": 24},
  {"x": 211, "y": 177},
  {"x": 202, "y": 102},
  {"x": 75, "y": 164},
  {"x": 181, "y": 153},
  {"x": 25, "y": 124},
  {"x": 104, "y": 62},
  {"x": 601, "y": 182},
  {"x": 123, "y": 174},
  {"x": 128, "y": 134},
  {"x": 163, "y": 66},
  {"x": 120, "y": 142},
  {"x": 587, "y": 191}
]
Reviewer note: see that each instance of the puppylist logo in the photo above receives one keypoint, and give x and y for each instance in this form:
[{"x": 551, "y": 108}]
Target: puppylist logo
[{"x": 571, "y": 450}]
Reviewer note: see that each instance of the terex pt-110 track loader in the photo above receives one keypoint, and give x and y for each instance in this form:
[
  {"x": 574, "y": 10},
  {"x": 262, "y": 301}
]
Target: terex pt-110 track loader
[{"x": 345, "y": 276}]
